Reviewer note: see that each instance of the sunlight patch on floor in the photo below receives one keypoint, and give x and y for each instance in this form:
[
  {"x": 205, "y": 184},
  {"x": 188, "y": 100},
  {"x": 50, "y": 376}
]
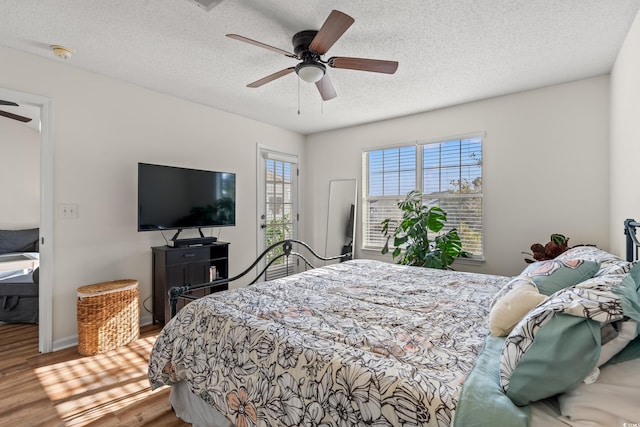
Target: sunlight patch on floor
[{"x": 87, "y": 388}]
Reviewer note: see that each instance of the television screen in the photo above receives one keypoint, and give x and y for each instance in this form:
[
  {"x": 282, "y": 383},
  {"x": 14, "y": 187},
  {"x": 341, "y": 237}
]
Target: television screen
[{"x": 173, "y": 198}]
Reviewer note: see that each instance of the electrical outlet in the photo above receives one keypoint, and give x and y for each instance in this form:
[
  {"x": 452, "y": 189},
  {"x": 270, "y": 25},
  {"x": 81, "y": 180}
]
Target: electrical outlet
[{"x": 68, "y": 210}]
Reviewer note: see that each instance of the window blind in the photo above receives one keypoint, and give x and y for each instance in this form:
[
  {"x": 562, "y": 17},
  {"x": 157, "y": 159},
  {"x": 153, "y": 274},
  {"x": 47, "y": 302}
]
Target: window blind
[{"x": 448, "y": 173}]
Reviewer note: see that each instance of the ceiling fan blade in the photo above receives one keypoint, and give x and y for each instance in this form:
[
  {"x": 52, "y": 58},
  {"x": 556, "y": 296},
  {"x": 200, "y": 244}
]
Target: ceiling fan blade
[
  {"x": 326, "y": 89},
  {"x": 13, "y": 104},
  {"x": 262, "y": 45},
  {"x": 364, "y": 64},
  {"x": 334, "y": 27},
  {"x": 15, "y": 116},
  {"x": 272, "y": 77}
]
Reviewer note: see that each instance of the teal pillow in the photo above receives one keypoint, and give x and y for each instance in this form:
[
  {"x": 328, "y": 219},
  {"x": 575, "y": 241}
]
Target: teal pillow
[
  {"x": 628, "y": 292},
  {"x": 553, "y": 275},
  {"x": 564, "y": 352}
]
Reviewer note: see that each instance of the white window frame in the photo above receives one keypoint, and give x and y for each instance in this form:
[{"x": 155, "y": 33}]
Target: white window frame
[{"x": 393, "y": 199}]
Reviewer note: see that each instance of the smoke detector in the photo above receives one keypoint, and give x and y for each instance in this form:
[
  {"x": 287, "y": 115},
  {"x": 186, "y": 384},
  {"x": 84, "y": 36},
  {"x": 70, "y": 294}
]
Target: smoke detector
[
  {"x": 207, "y": 5},
  {"x": 61, "y": 51}
]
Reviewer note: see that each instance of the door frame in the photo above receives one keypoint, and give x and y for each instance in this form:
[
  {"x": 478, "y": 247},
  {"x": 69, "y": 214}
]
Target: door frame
[
  {"x": 276, "y": 154},
  {"x": 45, "y": 288}
]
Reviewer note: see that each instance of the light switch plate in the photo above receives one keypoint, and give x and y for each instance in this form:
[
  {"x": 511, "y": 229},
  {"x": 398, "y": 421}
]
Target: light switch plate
[{"x": 68, "y": 210}]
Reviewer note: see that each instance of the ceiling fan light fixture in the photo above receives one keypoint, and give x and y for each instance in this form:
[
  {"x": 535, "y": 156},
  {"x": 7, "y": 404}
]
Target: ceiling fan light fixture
[
  {"x": 310, "y": 71},
  {"x": 61, "y": 51}
]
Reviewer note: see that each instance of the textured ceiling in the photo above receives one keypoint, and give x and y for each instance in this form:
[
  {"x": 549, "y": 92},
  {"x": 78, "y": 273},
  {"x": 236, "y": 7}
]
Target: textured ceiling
[{"x": 450, "y": 51}]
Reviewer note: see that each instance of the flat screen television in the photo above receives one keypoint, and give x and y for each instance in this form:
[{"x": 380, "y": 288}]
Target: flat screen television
[{"x": 175, "y": 198}]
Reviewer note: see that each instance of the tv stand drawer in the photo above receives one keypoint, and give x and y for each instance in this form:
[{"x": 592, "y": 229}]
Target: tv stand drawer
[{"x": 184, "y": 255}]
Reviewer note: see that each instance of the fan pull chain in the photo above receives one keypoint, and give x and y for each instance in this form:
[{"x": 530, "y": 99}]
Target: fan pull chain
[{"x": 298, "y": 96}]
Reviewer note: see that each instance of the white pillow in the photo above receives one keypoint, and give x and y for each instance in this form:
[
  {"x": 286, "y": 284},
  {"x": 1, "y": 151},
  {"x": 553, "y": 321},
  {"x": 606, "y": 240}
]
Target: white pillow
[
  {"x": 611, "y": 401},
  {"x": 627, "y": 333},
  {"x": 512, "y": 307}
]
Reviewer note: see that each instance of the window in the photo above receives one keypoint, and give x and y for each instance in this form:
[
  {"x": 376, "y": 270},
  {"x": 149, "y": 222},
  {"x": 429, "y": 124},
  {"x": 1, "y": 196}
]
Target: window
[{"x": 448, "y": 173}]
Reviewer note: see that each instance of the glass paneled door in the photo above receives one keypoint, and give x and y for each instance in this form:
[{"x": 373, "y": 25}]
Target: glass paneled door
[{"x": 277, "y": 206}]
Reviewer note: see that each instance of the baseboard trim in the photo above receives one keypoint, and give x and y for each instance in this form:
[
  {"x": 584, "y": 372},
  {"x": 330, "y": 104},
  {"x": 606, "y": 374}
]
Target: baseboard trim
[
  {"x": 145, "y": 320},
  {"x": 63, "y": 343}
]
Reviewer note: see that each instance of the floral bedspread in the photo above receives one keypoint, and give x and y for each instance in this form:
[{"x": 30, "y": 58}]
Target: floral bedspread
[{"x": 356, "y": 343}]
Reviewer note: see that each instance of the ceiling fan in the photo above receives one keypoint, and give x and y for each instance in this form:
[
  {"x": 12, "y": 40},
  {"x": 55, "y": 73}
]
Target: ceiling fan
[
  {"x": 310, "y": 45},
  {"x": 11, "y": 115}
]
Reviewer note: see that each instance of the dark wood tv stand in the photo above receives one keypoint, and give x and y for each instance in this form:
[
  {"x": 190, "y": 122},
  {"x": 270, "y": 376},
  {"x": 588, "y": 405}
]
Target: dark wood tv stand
[{"x": 182, "y": 266}]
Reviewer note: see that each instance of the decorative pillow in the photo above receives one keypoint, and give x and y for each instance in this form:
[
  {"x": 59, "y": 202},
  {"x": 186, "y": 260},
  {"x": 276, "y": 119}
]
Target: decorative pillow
[
  {"x": 505, "y": 289},
  {"x": 553, "y": 275},
  {"x": 550, "y": 275},
  {"x": 513, "y": 306},
  {"x": 609, "y": 263},
  {"x": 629, "y": 294},
  {"x": 19, "y": 240},
  {"x": 558, "y": 344}
]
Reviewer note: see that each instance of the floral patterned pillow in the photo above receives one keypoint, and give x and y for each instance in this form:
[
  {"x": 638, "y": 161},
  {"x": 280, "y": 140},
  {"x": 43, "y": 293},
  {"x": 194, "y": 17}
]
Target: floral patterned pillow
[
  {"x": 558, "y": 344},
  {"x": 553, "y": 275},
  {"x": 609, "y": 263}
]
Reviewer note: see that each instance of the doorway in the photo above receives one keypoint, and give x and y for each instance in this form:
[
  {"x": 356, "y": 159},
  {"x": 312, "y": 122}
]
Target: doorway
[
  {"x": 45, "y": 326},
  {"x": 277, "y": 205}
]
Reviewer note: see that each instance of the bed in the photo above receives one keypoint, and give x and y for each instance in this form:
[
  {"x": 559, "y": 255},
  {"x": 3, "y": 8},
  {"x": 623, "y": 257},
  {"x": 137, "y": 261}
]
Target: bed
[
  {"x": 369, "y": 343},
  {"x": 19, "y": 274}
]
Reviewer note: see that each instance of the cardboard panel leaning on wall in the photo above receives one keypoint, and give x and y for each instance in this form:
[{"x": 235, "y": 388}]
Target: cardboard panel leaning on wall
[{"x": 545, "y": 166}]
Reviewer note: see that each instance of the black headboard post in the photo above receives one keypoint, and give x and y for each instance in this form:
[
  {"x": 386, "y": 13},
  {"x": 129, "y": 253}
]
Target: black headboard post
[{"x": 632, "y": 240}]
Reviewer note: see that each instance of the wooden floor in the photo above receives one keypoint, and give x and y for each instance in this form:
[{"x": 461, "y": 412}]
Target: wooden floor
[{"x": 66, "y": 389}]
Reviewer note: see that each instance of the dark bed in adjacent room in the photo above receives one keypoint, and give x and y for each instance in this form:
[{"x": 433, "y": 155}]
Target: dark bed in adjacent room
[{"x": 19, "y": 273}]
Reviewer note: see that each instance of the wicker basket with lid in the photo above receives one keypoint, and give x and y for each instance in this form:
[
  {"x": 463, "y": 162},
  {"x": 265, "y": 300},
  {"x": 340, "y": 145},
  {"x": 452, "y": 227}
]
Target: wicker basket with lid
[{"x": 108, "y": 316}]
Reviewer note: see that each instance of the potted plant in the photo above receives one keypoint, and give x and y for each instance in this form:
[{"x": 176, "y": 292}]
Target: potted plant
[
  {"x": 557, "y": 244},
  {"x": 411, "y": 240}
]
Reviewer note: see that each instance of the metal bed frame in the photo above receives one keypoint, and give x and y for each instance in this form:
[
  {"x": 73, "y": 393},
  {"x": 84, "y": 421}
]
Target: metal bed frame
[
  {"x": 630, "y": 226},
  {"x": 288, "y": 253}
]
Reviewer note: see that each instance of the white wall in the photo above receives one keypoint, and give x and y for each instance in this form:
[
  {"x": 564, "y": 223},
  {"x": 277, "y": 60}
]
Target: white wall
[
  {"x": 545, "y": 162},
  {"x": 103, "y": 127},
  {"x": 625, "y": 136},
  {"x": 19, "y": 175}
]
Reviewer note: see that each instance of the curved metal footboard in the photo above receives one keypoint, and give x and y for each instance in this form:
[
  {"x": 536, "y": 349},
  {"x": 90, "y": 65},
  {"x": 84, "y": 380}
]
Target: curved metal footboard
[{"x": 184, "y": 292}]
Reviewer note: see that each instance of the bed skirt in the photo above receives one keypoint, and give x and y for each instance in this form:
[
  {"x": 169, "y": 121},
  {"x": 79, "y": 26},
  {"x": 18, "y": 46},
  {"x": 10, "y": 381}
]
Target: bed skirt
[{"x": 191, "y": 409}]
